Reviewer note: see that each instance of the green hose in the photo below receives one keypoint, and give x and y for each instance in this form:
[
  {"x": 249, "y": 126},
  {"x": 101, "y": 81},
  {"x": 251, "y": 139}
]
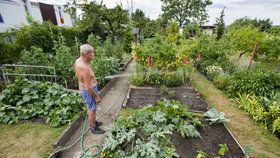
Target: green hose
[{"x": 85, "y": 151}]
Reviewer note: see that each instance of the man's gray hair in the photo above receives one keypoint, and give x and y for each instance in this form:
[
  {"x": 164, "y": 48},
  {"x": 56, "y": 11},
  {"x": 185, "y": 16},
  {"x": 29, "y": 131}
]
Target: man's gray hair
[{"x": 85, "y": 48}]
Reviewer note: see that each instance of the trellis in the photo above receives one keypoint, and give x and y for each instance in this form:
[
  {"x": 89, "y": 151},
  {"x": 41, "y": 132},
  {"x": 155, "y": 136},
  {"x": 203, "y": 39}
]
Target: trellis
[{"x": 10, "y": 72}]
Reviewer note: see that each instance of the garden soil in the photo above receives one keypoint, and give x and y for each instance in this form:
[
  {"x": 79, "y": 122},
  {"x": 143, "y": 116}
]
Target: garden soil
[
  {"x": 212, "y": 136},
  {"x": 144, "y": 96},
  {"x": 116, "y": 94}
]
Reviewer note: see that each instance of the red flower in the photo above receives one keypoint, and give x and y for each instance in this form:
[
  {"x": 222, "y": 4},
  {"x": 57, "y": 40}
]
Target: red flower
[{"x": 198, "y": 57}]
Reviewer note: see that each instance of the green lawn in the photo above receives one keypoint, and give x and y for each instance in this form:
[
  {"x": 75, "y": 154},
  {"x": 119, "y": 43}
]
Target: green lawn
[{"x": 27, "y": 140}]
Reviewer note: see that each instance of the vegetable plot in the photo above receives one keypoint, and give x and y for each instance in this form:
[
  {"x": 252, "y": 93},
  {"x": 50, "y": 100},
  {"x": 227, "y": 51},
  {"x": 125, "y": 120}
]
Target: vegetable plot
[{"x": 25, "y": 99}]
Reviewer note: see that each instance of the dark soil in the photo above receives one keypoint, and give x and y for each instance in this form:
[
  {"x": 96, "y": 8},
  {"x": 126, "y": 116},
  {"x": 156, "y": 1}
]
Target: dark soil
[
  {"x": 212, "y": 136},
  {"x": 36, "y": 120},
  {"x": 140, "y": 97}
]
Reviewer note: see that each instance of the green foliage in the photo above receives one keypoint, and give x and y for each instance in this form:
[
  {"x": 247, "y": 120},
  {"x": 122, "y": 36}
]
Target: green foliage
[
  {"x": 248, "y": 150},
  {"x": 262, "y": 25},
  {"x": 212, "y": 53},
  {"x": 262, "y": 109},
  {"x": 201, "y": 154},
  {"x": 146, "y": 133},
  {"x": 172, "y": 33},
  {"x": 192, "y": 10},
  {"x": 154, "y": 77},
  {"x": 215, "y": 117},
  {"x": 220, "y": 25},
  {"x": 255, "y": 82},
  {"x": 63, "y": 60},
  {"x": 151, "y": 28},
  {"x": 243, "y": 39},
  {"x": 128, "y": 41},
  {"x": 269, "y": 48},
  {"x": 191, "y": 30},
  {"x": 103, "y": 21},
  {"x": 103, "y": 67},
  {"x": 34, "y": 57},
  {"x": 139, "y": 19},
  {"x": 31, "y": 99},
  {"x": 275, "y": 30},
  {"x": 35, "y": 34},
  {"x": 223, "y": 149},
  {"x": 222, "y": 81},
  {"x": 9, "y": 53},
  {"x": 40, "y": 35},
  {"x": 159, "y": 53}
]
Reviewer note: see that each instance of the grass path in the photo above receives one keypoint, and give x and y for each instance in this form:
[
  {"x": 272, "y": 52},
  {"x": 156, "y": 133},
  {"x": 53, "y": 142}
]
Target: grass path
[
  {"x": 265, "y": 144},
  {"x": 27, "y": 140}
]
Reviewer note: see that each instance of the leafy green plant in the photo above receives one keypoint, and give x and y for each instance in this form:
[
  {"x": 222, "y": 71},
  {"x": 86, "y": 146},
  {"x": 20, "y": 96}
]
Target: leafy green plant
[
  {"x": 223, "y": 149},
  {"x": 104, "y": 66},
  {"x": 255, "y": 82},
  {"x": 146, "y": 132},
  {"x": 222, "y": 81},
  {"x": 201, "y": 154},
  {"x": 262, "y": 110},
  {"x": 215, "y": 117},
  {"x": 25, "y": 99},
  {"x": 248, "y": 150},
  {"x": 34, "y": 57}
]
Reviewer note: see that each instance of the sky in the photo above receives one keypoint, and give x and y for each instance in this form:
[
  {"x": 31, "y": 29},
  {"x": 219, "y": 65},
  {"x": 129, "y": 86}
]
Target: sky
[{"x": 235, "y": 9}]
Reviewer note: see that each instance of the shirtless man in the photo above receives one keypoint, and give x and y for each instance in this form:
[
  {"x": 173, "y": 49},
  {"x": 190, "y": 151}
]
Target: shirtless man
[{"x": 88, "y": 86}]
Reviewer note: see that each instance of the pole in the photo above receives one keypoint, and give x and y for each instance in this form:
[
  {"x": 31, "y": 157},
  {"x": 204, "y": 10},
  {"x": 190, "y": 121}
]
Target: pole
[{"x": 253, "y": 55}]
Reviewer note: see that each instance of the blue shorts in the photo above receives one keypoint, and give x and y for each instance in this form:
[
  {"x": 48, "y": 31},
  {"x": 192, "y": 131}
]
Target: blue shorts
[{"x": 88, "y": 99}]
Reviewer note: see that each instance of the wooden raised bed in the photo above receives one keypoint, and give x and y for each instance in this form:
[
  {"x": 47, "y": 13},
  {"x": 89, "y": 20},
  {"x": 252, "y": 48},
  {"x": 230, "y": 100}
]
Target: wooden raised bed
[
  {"x": 139, "y": 97},
  {"x": 212, "y": 136}
]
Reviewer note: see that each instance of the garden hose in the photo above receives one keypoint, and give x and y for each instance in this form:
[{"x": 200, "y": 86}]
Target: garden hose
[{"x": 85, "y": 151}]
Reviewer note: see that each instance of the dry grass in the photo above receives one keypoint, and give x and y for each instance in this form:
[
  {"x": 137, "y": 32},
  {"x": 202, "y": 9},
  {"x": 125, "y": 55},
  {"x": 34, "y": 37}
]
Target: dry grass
[
  {"x": 27, "y": 140},
  {"x": 265, "y": 144}
]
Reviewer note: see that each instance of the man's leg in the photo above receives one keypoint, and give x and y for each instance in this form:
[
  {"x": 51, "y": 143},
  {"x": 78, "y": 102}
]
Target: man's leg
[
  {"x": 91, "y": 118},
  {"x": 93, "y": 124}
]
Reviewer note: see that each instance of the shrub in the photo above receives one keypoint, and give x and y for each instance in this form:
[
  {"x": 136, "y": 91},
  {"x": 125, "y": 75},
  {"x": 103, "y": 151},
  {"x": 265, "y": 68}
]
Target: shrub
[
  {"x": 262, "y": 109},
  {"x": 256, "y": 81},
  {"x": 103, "y": 67},
  {"x": 222, "y": 81},
  {"x": 34, "y": 57}
]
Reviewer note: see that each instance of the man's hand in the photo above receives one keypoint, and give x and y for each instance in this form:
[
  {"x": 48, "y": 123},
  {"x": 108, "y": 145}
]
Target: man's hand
[{"x": 97, "y": 99}]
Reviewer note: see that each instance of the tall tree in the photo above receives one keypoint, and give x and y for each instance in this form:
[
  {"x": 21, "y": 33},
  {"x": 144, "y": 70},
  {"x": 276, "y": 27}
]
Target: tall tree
[
  {"x": 220, "y": 25},
  {"x": 139, "y": 19},
  {"x": 100, "y": 20},
  {"x": 185, "y": 11},
  {"x": 262, "y": 25}
]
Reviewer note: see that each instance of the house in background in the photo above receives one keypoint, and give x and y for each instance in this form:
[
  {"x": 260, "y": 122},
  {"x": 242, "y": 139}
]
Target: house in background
[
  {"x": 208, "y": 29},
  {"x": 13, "y": 13}
]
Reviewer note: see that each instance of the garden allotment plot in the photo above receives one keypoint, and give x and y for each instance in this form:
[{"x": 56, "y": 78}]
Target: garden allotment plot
[
  {"x": 144, "y": 96},
  {"x": 214, "y": 137}
]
